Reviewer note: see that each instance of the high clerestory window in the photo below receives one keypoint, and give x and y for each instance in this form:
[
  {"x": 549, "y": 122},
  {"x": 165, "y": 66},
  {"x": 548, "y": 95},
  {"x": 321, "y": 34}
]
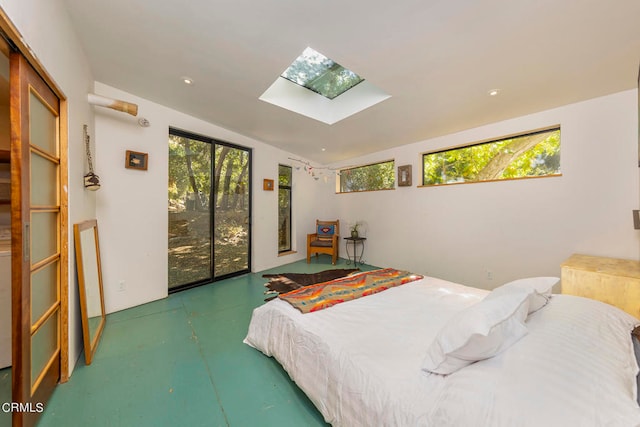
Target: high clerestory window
[
  {"x": 377, "y": 176},
  {"x": 534, "y": 154},
  {"x": 320, "y": 74}
]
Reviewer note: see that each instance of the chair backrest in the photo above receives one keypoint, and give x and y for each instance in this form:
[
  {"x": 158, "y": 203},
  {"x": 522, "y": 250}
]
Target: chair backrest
[{"x": 326, "y": 229}]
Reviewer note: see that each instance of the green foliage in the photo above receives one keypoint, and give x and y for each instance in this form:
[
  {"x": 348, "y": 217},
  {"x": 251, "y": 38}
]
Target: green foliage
[
  {"x": 320, "y": 74},
  {"x": 232, "y": 177},
  {"x": 190, "y": 174},
  {"x": 284, "y": 190},
  {"x": 467, "y": 164},
  {"x": 379, "y": 176},
  {"x": 284, "y": 175},
  {"x": 284, "y": 207},
  {"x": 180, "y": 174}
]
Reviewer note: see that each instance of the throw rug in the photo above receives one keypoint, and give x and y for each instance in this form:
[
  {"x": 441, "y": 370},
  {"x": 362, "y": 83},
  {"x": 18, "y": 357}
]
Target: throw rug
[
  {"x": 282, "y": 283},
  {"x": 323, "y": 295}
]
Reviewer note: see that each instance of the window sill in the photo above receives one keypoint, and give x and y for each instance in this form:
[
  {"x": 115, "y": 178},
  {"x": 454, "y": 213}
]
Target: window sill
[
  {"x": 287, "y": 253},
  {"x": 554, "y": 175}
]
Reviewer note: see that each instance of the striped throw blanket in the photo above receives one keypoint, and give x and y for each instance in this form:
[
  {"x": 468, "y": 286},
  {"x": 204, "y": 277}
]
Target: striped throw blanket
[{"x": 323, "y": 295}]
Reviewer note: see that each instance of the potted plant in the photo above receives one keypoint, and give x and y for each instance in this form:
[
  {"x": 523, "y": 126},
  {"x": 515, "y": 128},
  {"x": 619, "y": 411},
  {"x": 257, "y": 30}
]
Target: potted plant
[{"x": 354, "y": 229}]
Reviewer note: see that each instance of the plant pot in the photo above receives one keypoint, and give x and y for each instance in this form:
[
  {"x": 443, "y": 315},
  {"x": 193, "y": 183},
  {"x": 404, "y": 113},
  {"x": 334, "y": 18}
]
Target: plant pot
[{"x": 354, "y": 234}]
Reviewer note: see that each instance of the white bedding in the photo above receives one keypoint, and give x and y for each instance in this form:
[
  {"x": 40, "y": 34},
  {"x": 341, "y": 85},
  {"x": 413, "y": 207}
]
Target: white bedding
[{"x": 360, "y": 362}]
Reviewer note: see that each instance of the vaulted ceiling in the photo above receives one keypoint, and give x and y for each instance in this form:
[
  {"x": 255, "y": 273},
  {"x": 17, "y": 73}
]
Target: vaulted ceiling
[{"x": 438, "y": 59}]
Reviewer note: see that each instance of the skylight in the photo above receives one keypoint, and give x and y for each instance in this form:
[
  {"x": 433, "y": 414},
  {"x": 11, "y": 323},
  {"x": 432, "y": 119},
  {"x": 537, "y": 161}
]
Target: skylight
[
  {"x": 317, "y": 87},
  {"x": 320, "y": 74}
]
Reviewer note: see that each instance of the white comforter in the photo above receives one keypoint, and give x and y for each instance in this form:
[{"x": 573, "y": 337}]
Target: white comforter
[{"x": 360, "y": 362}]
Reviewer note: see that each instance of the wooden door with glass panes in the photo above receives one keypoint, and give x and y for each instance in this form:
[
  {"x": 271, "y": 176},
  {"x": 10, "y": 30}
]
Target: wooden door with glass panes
[{"x": 36, "y": 221}]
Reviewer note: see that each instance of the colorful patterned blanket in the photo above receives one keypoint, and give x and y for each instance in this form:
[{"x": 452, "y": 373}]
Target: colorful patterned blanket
[
  {"x": 281, "y": 283},
  {"x": 323, "y": 295}
]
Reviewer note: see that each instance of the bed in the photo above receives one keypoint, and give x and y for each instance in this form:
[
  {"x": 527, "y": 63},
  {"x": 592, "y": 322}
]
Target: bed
[{"x": 370, "y": 361}]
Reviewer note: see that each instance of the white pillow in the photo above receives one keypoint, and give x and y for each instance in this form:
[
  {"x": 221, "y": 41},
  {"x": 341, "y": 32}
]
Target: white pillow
[
  {"x": 539, "y": 289},
  {"x": 478, "y": 332}
]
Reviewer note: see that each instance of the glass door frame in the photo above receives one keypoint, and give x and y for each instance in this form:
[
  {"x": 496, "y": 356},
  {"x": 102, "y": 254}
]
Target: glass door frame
[{"x": 249, "y": 151}]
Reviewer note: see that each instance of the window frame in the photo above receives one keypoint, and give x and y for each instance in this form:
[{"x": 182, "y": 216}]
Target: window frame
[
  {"x": 490, "y": 141},
  {"x": 288, "y": 188}
]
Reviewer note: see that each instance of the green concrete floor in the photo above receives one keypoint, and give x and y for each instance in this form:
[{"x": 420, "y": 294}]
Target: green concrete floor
[{"x": 181, "y": 361}]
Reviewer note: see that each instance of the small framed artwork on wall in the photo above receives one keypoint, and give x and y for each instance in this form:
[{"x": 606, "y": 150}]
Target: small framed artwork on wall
[
  {"x": 267, "y": 185},
  {"x": 404, "y": 176},
  {"x": 136, "y": 160}
]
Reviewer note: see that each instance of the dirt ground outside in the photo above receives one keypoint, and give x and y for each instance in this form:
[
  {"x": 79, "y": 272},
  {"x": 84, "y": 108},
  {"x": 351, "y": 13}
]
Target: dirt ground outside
[{"x": 190, "y": 245}]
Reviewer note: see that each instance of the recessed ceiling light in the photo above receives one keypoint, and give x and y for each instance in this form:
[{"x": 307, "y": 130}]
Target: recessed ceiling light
[
  {"x": 324, "y": 149},
  {"x": 187, "y": 80},
  {"x": 494, "y": 92}
]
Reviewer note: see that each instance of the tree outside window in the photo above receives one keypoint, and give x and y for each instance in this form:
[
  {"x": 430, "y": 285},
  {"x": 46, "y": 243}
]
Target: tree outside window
[{"x": 531, "y": 155}]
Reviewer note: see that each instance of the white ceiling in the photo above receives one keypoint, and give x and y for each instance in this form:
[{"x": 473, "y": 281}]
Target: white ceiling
[{"x": 436, "y": 58}]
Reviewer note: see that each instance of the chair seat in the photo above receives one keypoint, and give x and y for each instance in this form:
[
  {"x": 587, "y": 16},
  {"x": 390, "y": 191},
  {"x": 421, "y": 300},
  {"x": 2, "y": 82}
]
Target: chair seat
[{"x": 322, "y": 243}]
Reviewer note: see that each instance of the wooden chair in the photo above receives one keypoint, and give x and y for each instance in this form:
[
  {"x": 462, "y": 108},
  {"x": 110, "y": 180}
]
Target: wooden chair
[{"x": 326, "y": 240}]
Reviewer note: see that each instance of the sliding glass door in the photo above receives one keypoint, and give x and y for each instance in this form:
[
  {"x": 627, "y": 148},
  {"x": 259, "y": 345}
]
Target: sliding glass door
[{"x": 209, "y": 209}]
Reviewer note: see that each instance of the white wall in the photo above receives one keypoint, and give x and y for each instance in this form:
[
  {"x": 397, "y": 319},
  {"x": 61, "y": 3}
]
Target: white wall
[
  {"x": 512, "y": 228},
  {"x": 46, "y": 28},
  {"x": 132, "y": 204}
]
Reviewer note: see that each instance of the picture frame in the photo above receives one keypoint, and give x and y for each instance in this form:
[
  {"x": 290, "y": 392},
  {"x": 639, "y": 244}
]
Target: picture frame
[
  {"x": 404, "y": 176},
  {"x": 136, "y": 160},
  {"x": 267, "y": 185}
]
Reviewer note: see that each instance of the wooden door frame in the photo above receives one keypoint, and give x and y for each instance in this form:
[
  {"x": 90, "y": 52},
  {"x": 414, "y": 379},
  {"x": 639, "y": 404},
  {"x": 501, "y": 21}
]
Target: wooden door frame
[{"x": 10, "y": 30}]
